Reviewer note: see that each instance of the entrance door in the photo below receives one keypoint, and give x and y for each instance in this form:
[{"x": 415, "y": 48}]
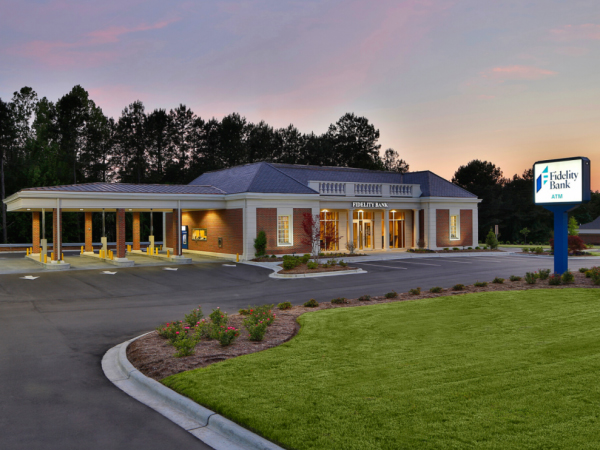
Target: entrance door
[
  {"x": 184, "y": 237},
  {"x": 362, "y": 230}
]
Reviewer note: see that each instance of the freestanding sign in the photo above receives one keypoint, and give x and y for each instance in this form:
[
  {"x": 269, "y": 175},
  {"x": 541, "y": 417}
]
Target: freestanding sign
[{"x": 560, "y": 185}]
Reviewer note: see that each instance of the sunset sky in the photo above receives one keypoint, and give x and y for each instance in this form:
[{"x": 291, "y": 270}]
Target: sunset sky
[{"x": 445, "y": 82}]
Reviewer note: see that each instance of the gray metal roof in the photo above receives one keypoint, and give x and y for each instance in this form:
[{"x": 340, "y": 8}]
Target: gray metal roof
[
  {"x": 293, "y": 179},
  {"x": 130, "y": 188},
  {"x": 593, "y": 225},
  {"x": 258, "y": 177}
]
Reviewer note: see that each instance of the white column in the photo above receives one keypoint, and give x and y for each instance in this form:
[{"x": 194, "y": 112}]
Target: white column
[
  {"x": 164, "y": 231},
  {"x": 350, "y": 226},
  {"x": 386, "y": 230},
  {"x": 475, "y": 223},
  {"x": 416, "y": 226},
  {"x": 377, "y": 231}
]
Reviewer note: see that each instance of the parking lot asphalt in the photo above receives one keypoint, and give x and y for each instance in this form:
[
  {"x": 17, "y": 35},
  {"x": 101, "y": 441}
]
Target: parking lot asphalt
[{"x": 55, "y": 329}]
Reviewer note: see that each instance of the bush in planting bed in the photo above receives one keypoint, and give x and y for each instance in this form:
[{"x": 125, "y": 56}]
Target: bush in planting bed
[
  {"x": 226, "y": 335},
  {"x": 568, "y": 277},
  {"x": 218, "y": 317},
  {"x": 343, "y": 263},
  {"x": 543, "y": 274},
  {"x": 312, "y": 265},
  {"x": 525, "y": 249},
  {"x": 436, "y": 290},
  {"x": 514, "y": 278},
  {"x": 364, "y": 298},
  {"x": 392, "y": 294},
  {"x": 594, "y": 274},
  {"x": 480, "y": 284},
  {"x": 415, "y": 291},
  {"x": 284, "y": 305},
  {"x": 243, "y": 312},
  {"x": 185, "y": 343},
  {"x": 194, "y": 317},
  {"x": 170, "y": 330},
  {"x": 312, "y": 303},
  {"x": 531, "y": 277},
  {"x": 256, "y": 329},
  {"x": 583, "y": 269},
  {"x": 498, "y": 280},
  {"x": 554, "y": 279},
  {"x": 458, "y": 287},
  {"x": 339, "y": 300}
]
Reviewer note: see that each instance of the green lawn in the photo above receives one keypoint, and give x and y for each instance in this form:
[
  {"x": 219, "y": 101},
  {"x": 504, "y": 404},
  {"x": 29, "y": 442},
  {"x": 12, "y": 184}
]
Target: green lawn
[{"x": 507, "y": 370}]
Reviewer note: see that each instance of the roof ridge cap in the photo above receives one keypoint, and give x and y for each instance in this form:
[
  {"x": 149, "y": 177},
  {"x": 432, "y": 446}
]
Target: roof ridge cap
[{"x": 288, "y": 176}]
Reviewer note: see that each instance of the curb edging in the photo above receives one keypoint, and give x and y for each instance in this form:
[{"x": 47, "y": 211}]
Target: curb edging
[{"x": 204, "y": 424}]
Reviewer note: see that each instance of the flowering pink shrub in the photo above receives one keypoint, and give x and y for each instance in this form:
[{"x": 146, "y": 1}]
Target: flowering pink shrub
[{"x": 226, "y": 336}]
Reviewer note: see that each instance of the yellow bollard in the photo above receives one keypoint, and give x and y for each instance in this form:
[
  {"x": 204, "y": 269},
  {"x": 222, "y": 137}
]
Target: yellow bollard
[
  {"x": 168, "y": 253},
  {"x": 45, "y": 259},
  {"x": 62, "y": 257},
  {"x": 128, "y": 248},
  {"x": 82, "y": 249},
  {"x": 40, "y": 256},
  {"x": 156, "y": 251},
  {"x": 27, "y": 251},
  {"x": 52, "y": 256},
  {"x": 237, "y": 257}
]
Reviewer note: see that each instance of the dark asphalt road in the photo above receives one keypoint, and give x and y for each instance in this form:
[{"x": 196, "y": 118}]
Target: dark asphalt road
[{"x": 55, "y": 330}]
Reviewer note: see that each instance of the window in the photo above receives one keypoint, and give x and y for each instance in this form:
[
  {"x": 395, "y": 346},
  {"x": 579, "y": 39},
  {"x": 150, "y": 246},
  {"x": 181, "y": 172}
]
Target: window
[
  {"x": 454, "y": 228},
  {"x": 329, "y": 222},
  {"x": 199, "y": 234},
  {"x": 396, "y": 229},
  {"x": 283, "y": 230}
]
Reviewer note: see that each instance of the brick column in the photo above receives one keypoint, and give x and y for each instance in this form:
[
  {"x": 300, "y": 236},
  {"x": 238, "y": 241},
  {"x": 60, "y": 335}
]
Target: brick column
[
  {"x": 35, "y": 227},
  {"x": 56, "y": 234},
  {"x": 88, "y": 232},
  {"x": 176, "y": 232},
  {"x": 136, "y": 231},
  {"x": 121, "y": 250}
]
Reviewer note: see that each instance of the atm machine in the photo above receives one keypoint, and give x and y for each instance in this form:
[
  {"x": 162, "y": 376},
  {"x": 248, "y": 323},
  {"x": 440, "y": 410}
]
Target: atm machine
[{"x": 184, "y": 237}]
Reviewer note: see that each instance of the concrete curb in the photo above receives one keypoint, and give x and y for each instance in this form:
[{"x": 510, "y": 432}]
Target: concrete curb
[
  {"x": 49, "y": 266},
  {"x": 211, "y": 428},
  {"x": 315, "y": 275}
]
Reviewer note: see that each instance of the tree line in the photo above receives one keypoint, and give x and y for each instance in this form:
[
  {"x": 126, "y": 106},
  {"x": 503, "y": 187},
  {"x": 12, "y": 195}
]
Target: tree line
[
  {"x": 71, "y": 141},
  {"x": 508, "y": 203}
]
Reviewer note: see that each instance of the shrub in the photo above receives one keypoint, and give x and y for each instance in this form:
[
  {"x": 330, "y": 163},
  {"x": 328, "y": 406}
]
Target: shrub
[
  {"x": 218, "y": 317},
  {"x": 289, "y": 264},
  {"x": 312, "y": 265},
  {"x": 339, "y": 300},
  {"x": 539, "y": 250},
  {"x": 491, "y": 240},
  {"x": 194, "y": 317},
  {"x": 477, "y": 248},
  {"x": 226, "y": 336},
  {"x": 470, "y": 248},
  {"x": 568, "y": 277},
  {"x": 312, "y": 303},
  {"x": 514, "y": 278},
  {"x": 204, "y": 329},
  {"x": 364, "y": 298},
  {"x": 543, "y": 274},
  {"x": 525, "y": 249},
  {"x": 498, "y": 280},
  {"x": 588, "y": 274},
  {"x": 415, "y": 291},
  {"x": 554, "y": 279},
  {"x": 392, "y": 294},
  {"x": 244, "y": 312},
  {"x": 583, "y": 269},
  {"x": 574, "y": 243},
  {"x": 343, "y": 263},
  {"x": 446, "y": 249},
  {"x": 264, "y": 313},
  {"x": 273, "y": 256},
  {"x": 455, "y": 249},
  {"x": 594, "y": 274},
  {"x": 256, "y": 330},
  {"x": 436, "y": 290},
  {"x": 531, "y": 277},
  {"x": 185, "y": 343},
  {"x": 260, "y": 243},
  {"x": 305, "y": 258},
  {"x": 458, "y": 287},
  {"x": 480, "y": 284},
  {"x": 170, "y": 330},
  {"x": 284, "y": 305}
]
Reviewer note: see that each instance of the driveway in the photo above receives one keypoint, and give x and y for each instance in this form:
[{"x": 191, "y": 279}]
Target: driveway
[{"x": 54, "y": 331}]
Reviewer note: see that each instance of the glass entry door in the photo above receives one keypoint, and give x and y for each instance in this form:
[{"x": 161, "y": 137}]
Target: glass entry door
[{"x": 362, "y": 230}]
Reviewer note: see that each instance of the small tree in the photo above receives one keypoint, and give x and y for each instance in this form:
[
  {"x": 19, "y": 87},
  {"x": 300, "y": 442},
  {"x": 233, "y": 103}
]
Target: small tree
[
  {"x": 260, "y": 243},
  {"x": 573, "y": 226},
  {"x": 491, "y": 239},
  {"x": 311, "y": 228},
  {"x": 524, "y": 232}
]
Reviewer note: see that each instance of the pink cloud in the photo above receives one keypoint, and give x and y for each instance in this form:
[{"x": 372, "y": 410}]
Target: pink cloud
[
  {"x": 502, "y": 74},
  {"x": 81, "y": 53},
  {"x": 587, "y": 31}
]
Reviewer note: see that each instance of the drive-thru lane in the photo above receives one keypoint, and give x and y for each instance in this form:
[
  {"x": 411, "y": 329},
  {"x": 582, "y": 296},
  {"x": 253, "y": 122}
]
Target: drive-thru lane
[{"x": 55, "y": 329}]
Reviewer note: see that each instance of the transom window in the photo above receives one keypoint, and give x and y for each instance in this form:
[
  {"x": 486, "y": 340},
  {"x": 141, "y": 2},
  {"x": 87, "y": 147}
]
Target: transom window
[
  {"x": 283, "y": 230},
  {"x": 454, "y": 229}
]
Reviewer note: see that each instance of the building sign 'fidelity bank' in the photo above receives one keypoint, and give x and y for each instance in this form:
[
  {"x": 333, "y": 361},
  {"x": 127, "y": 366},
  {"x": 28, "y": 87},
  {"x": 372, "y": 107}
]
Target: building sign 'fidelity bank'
[
  {"x": 369, "y": 205},
  {"x": 562, "y": 181}
]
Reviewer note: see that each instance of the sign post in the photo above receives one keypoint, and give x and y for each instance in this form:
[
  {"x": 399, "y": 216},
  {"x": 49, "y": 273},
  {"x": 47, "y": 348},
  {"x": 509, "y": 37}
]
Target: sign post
[{"x": 561, "y": 185}]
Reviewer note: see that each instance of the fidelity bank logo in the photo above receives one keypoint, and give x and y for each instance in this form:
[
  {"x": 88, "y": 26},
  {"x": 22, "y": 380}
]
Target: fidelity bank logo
[
  {"x": 542, "y": 179},
  {"x": 557, "y": 179}
]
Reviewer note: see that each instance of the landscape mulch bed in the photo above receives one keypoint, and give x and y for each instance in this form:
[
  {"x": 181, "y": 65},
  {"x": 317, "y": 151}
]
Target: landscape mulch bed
[
  {"x": 153, "y": 356},
  {"x": 303, "y": 268}
]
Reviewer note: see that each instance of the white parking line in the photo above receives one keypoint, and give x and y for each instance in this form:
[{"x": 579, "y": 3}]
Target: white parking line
[
  {"x": 453, "y": 261},
  {"x": 489, "y": 260},
  {"x": 379, "y": 265},
  {"x": 410, "y": 262}
]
